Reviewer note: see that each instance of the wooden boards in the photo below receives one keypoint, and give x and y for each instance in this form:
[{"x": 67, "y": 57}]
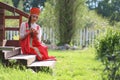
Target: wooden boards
[
  {"x": 25, "y": 59},
  {"x": 43, "y": 64},
  {"x": 10, "y": 48}
]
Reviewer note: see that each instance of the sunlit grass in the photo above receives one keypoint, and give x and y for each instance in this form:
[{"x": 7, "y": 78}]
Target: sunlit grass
[
  {"x": 80, "y": 64},
  {"x": 71, "y": 65}
]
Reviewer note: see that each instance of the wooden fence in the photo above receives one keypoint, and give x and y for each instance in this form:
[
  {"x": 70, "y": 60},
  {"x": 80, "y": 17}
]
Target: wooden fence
[{"x": 84, "y": 37}]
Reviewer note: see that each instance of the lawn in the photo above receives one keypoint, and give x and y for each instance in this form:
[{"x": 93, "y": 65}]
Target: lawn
[{"x": 71, "y": 65}]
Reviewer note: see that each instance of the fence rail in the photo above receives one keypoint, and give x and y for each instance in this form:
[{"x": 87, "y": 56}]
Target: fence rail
[{"x": 84, "y": 37}]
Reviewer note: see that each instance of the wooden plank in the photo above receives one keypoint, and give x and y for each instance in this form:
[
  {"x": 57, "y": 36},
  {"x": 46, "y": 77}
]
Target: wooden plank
[
  {"x": 14, "y": 29},
  {"x": 25, "y": 59},
  {"x": 13, "y": 9},
  {"x": 2, "y": 26},
  {"x": 20, "y": 20},
  {"x": 10, "y": 48},
  {"x": 4, "y": 62},
  {"x": 14, "y": 43},
  {"x": 22, "y": 57},
  {"x": 22, "y": 13},
  {"x": 8, "y": 54},
  {"x": 43, "y": 64},
  {"x": 12, "y": 17}
]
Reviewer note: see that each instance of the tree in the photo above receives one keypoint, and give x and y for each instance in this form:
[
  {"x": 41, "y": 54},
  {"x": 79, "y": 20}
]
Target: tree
[
  {"x": 81, "y": 17},
  {"x": 66, "y": 10},
  {"x": 105, "y": 8},
  {"x": 92, "y": 4},
  {"x": 65, "y": 21},
  {"x": 38, "y": 3},
  {"x": 27, "y": 4},
  {"x": 15, "y": 3},
  {"x": 110, "y": 9}
]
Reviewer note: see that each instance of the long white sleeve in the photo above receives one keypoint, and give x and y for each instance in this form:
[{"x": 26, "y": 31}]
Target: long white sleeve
[
  {"x": 40, "y": 34},
  {"x": 22, "y": 30},
  {"x": 34, "y": 26}
]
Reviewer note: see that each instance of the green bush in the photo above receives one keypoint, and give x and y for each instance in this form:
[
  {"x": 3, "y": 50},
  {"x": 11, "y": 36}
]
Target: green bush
[{"x": 107, "y": 47}]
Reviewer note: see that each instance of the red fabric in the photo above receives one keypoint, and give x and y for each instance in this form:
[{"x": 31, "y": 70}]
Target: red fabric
[
  {"x": 35, "y": 10},
  {"x": 27, "y": 49},
  {"x": 24, "y": 43}
]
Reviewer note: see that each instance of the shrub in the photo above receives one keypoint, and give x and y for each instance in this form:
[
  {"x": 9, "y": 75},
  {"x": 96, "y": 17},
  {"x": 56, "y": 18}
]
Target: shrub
[{"x": 107, "y": 47}]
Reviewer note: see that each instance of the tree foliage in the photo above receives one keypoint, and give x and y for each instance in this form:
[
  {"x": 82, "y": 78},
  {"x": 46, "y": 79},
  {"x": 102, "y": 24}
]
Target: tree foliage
[
  {"x": 15, "y": 3},
  {"x": 47, "y": 16},
  {"x": 80, "y": 17},
  {"x": 107, "y": 8},
  {"x": 92, "y": 4},
  {"x": 67, "y": 17},
  {"x": 27, "y": 4}
]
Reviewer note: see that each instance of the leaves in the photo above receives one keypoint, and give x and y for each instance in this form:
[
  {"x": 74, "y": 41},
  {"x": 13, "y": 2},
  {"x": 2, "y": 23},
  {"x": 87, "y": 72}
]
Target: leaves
[
  {"x": 108, "y": 51},
  {"x": 109, "y": 9}
]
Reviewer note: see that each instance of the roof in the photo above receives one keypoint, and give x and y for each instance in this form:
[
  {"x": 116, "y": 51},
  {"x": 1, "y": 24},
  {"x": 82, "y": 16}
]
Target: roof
[{"x": 13, "y": 9}]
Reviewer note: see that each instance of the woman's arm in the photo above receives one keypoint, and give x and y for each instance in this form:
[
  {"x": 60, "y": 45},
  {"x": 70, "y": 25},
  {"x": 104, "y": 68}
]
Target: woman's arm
[
  {"x": 23, "y": 32},
  {"x": 39, "y": 34}
]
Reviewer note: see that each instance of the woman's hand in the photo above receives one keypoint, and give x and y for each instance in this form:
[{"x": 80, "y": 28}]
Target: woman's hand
[
  {"x": 34, "y": 31},
  {"x": 27, "y": 33}
]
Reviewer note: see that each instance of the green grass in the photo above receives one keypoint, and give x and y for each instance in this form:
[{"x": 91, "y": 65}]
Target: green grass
[{"x": 71, "y": 65}]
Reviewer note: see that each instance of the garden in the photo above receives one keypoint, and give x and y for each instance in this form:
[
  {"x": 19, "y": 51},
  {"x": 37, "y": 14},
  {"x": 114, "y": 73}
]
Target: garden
[
  {"x": 71, "y": 65},
  {"x": 83, "y": 35}
]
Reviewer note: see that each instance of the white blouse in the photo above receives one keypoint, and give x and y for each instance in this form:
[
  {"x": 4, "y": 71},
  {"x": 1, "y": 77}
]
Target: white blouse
[{"x": 34, "y": 26}]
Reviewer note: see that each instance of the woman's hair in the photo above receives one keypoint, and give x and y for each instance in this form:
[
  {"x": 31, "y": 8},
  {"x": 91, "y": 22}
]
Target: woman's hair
[
  {"x": 29, "y": 22},
  {"x": 29, "y": 25}
]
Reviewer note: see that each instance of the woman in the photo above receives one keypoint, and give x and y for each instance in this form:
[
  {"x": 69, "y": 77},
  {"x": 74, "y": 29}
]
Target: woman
[{"x": 30, "y": 37}]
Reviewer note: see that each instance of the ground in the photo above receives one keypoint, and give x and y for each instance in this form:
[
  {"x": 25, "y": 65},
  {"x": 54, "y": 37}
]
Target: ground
[{"x": 71, "y": 65}]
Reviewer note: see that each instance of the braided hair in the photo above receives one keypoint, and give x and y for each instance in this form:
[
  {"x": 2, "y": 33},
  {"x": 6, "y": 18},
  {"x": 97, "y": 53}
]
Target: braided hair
[{"x": 29, "y": 24}]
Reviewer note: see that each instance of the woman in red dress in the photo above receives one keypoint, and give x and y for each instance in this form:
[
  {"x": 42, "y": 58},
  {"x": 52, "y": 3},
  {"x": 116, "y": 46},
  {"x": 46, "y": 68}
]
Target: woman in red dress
[{"x": 30, "y": 37}]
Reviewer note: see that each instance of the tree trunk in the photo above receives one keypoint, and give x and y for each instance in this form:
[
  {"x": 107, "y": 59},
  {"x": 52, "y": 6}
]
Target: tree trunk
[{"x": 66, "y": 23}]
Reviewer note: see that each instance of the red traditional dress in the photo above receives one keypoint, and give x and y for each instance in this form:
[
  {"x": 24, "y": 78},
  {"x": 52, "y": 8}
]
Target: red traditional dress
[{"x": 32, "y": 45}]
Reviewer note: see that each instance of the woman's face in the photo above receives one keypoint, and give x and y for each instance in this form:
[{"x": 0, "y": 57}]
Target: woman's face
[{"x": 34, "y": 18}]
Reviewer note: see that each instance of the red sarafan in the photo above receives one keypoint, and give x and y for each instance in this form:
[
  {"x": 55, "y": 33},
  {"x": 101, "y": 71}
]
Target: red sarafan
[
  {"x": 31, "y": 45},
  {"x": 30, "y": 37}
]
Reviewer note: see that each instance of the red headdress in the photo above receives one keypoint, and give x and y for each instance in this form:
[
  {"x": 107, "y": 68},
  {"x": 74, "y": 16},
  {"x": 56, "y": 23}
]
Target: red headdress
[{"x": 35, "y": 10}]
